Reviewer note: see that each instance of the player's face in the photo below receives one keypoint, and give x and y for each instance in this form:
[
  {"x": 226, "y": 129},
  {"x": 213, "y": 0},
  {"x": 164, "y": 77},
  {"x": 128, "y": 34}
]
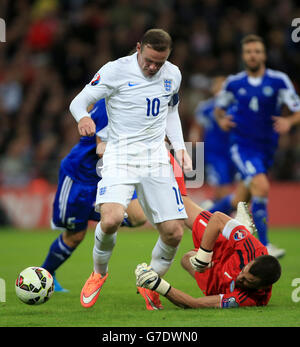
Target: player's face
[
  {"x": 150, "y": 60},
  {"x": 254, "y": 56},
  {"x": 245, "y": 280}
]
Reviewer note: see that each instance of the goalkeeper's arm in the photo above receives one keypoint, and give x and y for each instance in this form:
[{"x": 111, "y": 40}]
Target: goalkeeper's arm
[
  {"x": 181, "y": 299},
  {"x": 203, "y": 259},
  {"x": 146, "y": 277}
]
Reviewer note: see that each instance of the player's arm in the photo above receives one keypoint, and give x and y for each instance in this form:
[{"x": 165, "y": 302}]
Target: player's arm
[
  {"x": 181, "y": 299},
  {"x": 223, "y": 100},
  {"x": 283, "y": 125},
  {"x": 101, "y": 146},
  {"x": 146, "y": 277},
  {"x": 101, "y": 141},
  {"x": 224, "y": 120},
  {"x": 175, "y": 136},
  {"x": 79, "y": 109},
  {"x": 101, "y": 86},
  {"x": 203, "y": 259},
  {"x": 288, "y": 97}
]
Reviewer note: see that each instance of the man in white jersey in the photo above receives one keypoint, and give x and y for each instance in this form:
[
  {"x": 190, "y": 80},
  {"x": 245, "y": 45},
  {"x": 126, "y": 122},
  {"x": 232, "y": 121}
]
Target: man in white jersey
[{"x": 141, "y": 92}]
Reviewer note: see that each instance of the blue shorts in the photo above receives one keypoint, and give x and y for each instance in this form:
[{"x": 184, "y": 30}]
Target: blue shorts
[
  {"x": 219, "y": 170},
  {"x": 251, "y": 162},
  {"x": 74, "y": 204}
]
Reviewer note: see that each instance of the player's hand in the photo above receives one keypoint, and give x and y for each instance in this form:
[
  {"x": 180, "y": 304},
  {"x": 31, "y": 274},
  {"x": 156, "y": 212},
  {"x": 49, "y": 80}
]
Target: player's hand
[
  {"x": 281, "y": 125},
  {"x": 101, "y": 149},
  {"x": 226, "y": 123},
  {"x": 184, "y": 160},
  {"x": 199, "y": 267},
  {"x": 202, "y": 260},
  {"x": 86, "y": 126},
  {"x": 146, "y": 277}
]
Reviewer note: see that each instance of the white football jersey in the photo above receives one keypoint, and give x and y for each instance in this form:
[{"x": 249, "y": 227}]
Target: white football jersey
[{"x": 137, "y": 108}]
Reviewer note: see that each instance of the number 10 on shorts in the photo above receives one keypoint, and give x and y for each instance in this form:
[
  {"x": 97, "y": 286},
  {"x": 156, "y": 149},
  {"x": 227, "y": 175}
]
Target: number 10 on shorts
[{"x": 178, "y": 199}]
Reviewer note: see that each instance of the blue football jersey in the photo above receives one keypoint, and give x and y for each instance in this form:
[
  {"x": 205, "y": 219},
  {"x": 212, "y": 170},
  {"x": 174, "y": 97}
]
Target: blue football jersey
[
  {"x": 219, "y": 168},
  {"x": 215, "y": 139},
  {"x": 80, "y": 164},
  {"x": 254, "y": 101}
]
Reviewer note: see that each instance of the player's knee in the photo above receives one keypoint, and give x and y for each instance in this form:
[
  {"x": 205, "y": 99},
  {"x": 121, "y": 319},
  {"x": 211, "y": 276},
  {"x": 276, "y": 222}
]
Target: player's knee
[
  {"x": 185, "y": 262},
  {"x": 260, "y": 186},
  {"x": 216, "y": 215},
  {"x": 219, "y": 219},
  {"x": 111, "y": 222},
  {"x": 112, "y": 216},
  {"x": 172, "y": 233},
  {"x": 110, "y": 225}
]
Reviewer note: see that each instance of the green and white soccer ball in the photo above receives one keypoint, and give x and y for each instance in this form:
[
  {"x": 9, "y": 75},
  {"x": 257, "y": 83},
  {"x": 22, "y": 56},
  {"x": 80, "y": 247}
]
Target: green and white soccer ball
[{"x": 34, "y": 285}]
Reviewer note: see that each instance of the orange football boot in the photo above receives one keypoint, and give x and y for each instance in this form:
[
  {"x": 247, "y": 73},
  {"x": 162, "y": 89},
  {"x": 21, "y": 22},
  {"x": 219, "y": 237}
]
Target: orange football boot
[
  {"x": 151, "y": 298},
  {"x": 91, "y": 289}
]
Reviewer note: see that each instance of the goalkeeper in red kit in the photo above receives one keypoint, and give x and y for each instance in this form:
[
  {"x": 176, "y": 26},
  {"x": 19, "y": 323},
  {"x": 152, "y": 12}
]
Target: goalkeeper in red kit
[{"x": 230, "y": 265}]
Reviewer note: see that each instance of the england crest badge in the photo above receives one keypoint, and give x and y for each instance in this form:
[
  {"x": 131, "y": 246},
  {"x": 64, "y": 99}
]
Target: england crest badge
[{"x": 168, "y": 85}]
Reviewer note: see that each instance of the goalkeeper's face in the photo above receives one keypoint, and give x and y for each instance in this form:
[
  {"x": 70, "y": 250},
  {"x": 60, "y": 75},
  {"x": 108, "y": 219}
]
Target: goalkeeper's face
[
  {"x": 245, "y": 280},
  {"x": 254, "y": 56}
]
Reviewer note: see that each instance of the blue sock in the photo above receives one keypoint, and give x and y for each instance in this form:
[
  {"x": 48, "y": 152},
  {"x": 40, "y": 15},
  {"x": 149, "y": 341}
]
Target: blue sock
[
  {"x": 260, "y": 217},
  {"x": 126, "y": 223},
  {"x": 58, "y": 253},
  {"x": 223, "y": 205}
]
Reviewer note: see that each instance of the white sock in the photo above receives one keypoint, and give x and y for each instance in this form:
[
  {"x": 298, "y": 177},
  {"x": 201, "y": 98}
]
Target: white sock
[
  {"x": 162, "y": 257},
  {"x": 102, "y": 251}
]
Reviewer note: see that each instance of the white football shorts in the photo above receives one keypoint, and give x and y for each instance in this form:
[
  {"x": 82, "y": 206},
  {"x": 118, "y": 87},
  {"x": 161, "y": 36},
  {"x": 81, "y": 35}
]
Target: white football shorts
[{"x": 159, "y": 197}]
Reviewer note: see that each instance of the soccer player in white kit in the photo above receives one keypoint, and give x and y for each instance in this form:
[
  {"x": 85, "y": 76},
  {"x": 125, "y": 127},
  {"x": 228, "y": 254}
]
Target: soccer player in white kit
[{"x": 141, "y": 93}]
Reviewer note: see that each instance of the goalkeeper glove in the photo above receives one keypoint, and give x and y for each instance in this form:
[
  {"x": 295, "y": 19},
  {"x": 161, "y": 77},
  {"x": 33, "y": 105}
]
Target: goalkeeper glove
[
  {"x": 202, "y": 260},
  {"x": 146, "y": 277}
]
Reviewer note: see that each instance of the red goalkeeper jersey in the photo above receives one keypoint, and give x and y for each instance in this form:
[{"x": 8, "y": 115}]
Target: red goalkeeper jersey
[
  {"x": 178, "y": 173},
  {"x": 229, "y": 258}
]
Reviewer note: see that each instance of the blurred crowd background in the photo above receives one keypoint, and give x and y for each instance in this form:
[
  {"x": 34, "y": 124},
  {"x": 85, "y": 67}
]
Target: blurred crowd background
[{"x": 54, "y": 47}]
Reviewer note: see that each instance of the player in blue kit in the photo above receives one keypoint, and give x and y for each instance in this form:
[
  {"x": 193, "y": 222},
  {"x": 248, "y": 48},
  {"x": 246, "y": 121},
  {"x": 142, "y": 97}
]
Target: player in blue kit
[
  {"x": 74, "y": 203},
  {"x": 257, "y": 96},
  {"x": 220, "y": 170}
]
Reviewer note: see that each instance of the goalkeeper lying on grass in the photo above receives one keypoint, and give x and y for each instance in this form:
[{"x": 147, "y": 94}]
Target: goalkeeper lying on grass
[{"x": 230, "y": 265}]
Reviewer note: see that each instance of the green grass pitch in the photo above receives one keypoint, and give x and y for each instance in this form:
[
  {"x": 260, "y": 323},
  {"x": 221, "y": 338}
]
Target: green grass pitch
[{"x": 118, "y": 304}]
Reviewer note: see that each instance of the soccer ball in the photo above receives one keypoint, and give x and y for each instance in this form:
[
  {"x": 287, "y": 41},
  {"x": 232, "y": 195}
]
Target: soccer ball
[{"x": 34, "y": 285}]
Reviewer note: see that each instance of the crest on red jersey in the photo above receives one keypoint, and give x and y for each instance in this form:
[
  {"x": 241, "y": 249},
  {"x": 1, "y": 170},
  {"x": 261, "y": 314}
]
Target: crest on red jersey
[{"x": 239, "y": 235}]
